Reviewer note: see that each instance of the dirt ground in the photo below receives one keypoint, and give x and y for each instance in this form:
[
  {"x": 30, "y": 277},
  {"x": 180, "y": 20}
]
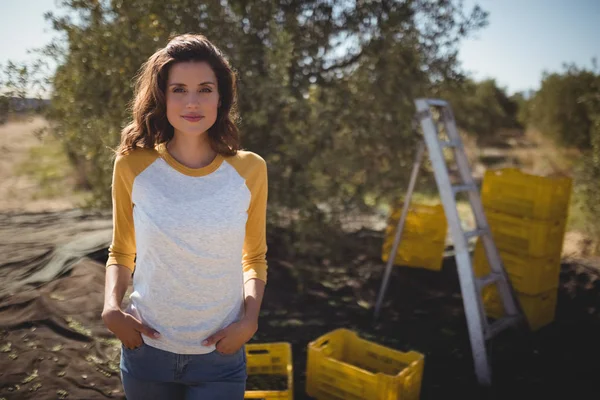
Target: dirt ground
[{"x": 54, "y": 345}]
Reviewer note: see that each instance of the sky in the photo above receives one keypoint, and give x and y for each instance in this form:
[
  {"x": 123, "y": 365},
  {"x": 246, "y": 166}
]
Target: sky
[{"x": 523, "y": 39}]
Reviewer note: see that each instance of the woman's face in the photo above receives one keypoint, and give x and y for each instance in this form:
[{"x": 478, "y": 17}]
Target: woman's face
[{"x": 192, "y": 98}]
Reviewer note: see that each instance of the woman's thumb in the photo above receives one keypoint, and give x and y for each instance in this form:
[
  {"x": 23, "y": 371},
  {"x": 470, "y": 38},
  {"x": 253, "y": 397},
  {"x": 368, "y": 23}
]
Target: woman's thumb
[{"x": 143, "y": 329}]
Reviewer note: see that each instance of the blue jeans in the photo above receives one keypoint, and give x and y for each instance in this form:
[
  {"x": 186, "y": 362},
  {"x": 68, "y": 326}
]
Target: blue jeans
[{"x": 149, "y": 373}]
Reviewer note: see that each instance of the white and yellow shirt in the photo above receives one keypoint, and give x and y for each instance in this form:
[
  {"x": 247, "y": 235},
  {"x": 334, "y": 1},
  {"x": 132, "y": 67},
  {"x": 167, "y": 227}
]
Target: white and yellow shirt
[{"x": 192, "y": 237}]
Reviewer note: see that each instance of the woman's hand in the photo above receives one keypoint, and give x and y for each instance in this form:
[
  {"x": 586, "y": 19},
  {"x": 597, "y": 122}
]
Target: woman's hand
[
  {"x": 126, "y": 327},
  {"x": 233, "y": 337}
]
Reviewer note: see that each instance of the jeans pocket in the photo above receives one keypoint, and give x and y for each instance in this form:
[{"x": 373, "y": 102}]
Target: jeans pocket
[
  {"x": 135, "y": 350},
  {"x": 226, "y": 355},
  {"x": 237, "y": 353}
]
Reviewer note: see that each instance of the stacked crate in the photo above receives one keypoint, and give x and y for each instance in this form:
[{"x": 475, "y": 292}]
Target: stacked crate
[
  {"x": 527, "y": 215},
  {"x": 423, "y": 238}
]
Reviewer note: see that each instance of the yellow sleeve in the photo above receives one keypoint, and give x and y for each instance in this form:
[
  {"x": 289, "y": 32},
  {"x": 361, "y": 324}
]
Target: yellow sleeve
[
  {"x": 122, "y": 249},
  {"x": 254, "y": 263}
]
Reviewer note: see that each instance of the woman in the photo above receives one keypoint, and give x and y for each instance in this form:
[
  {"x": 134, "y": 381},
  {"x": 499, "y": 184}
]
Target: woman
[{"x": 189, "y": 211}]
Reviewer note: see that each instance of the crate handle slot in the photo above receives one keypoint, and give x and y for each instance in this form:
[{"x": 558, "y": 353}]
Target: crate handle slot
[
  {"x": 324, "y": 343},
  {"x": 258, "y": 351}
]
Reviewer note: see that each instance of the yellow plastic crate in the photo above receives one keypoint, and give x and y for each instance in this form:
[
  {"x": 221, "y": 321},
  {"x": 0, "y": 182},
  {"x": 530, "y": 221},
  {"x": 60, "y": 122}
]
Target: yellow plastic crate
[
  {"x": 419, "y": 253},
  {"x": 514, "y": 192},
  {"x": 270, "y": 359},
  {"x": 539, "y": 309},
  {"x": 343, "y": 366},
  {"x": 528, "y": 275},
  {"x": 526, "y": 236},
  {"x": 422, "y": 222}
]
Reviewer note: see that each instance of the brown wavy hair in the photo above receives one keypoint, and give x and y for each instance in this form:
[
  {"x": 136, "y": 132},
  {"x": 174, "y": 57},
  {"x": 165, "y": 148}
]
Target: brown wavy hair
[{"x": 150, "y": 125}]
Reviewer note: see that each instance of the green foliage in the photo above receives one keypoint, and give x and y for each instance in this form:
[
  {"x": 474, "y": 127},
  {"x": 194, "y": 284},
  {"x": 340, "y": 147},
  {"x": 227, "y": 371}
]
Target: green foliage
[
  {"x": 20, "y": 85},
  {"x": 481, "y": 108},
  {"x": 13, "y": 83},
  {"x": 326, "y": 89},
  {"x": 522, "y": 101},
  {"x": 558, "y": 109},
  {"x": 15, "y": 80},
  {"x": 4, "y": 108},
  {"x": 588, "y": 174}
]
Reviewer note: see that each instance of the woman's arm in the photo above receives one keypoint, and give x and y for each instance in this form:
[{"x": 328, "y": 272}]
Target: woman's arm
[
  {"x": 254, "y": 290},
  {"x": 116, "y": 284}
]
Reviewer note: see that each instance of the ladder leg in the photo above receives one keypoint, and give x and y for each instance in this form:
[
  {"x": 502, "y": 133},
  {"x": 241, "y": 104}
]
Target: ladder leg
[
  {"x": 475, "y": 322},
  {"x": 399, "y": 229}
]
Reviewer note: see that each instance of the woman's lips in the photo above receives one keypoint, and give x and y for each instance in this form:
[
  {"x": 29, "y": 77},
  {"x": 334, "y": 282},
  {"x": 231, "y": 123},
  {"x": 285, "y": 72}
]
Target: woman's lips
[{"x": 192, "y": 118}]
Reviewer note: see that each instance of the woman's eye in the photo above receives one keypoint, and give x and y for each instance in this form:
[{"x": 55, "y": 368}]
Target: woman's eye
[{"x": 182, "y": 90}]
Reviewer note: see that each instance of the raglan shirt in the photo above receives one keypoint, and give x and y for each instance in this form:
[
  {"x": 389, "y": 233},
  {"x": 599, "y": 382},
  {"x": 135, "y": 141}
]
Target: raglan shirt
[{"x": 192, "y": 237}]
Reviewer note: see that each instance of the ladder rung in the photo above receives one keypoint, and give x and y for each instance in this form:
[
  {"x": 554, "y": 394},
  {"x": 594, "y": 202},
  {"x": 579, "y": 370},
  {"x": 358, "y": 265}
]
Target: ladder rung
[
  {"x": 464, "y": 188},
  {"x": 450, "y": 143},
  {"x": 501, "y": 324},
  {"x": 486, "y": 280},
  {"x": 475, "y": 233}
]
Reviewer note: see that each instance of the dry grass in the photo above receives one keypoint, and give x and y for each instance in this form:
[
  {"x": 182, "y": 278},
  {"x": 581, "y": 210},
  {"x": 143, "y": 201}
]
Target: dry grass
[
  {"x": 544, "y": 157},
  {"x": 34, "y": 173}
]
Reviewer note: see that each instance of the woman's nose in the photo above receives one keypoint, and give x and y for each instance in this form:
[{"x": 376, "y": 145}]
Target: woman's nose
[{"x": 193, "y": 99}]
